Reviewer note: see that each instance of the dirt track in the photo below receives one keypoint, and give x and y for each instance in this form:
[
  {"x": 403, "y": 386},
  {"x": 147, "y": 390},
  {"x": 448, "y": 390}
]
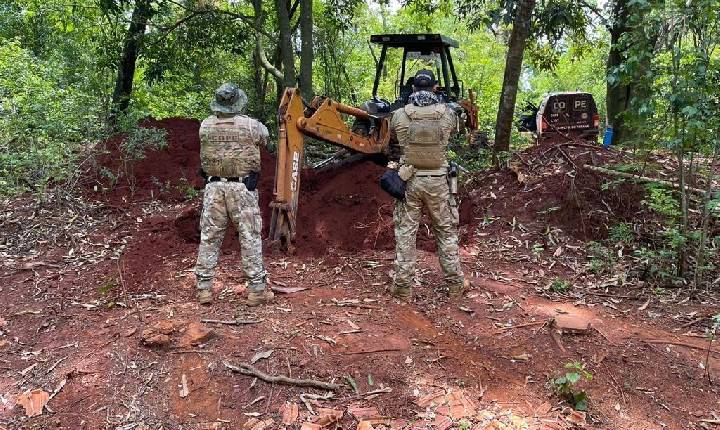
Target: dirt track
[{"x": 81, "y": 317}]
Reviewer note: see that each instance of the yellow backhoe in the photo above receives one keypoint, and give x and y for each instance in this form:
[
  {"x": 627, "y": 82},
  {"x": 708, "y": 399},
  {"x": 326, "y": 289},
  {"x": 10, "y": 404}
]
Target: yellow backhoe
[{"x": 324, "y": 119}]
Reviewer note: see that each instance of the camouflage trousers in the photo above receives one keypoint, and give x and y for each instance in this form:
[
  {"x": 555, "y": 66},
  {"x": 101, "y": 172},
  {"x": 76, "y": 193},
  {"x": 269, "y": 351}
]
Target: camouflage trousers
[
  {"x": 225, "y": 201},
  {"x": 434, "y": 194}
]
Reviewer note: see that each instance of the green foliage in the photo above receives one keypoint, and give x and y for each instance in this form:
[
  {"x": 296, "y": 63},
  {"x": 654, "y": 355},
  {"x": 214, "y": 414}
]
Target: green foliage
[
  {"x": 142, "y": 139},
  {"x": 107, "y": 287},
  {"x": 43, "y": 121},
  {"x": 661, "y": 201},
  {"x": 187, "y": 188},
  {"x": 565, "y": 385},
  {"x": 537, "y": 250},
  {"x": 660, "y": 263},
  {"x": 714, "y": 328},
  {"x": 559, "y": 285},
  {"x": 601, "y": 258},
  {"x": 622, "y": 233}
]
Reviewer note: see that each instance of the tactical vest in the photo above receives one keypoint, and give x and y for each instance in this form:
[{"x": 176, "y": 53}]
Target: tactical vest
[
  {"x": 228, "y": 148},
  {"x": 426, "y": 143}
]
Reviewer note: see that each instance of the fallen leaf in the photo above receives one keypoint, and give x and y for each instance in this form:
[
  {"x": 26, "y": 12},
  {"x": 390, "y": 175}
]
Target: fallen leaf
[
  {"x": 522, "y": 357},
  {"x": 261, "y": 355},
  {"x": 327, "y": 339},
  {"x": 576, "y": 417},
  {"x": 364, "y": 425},
  {"x": 328, "y": 416},
  {"x": 644, "y": 306},
  {"x": 363, "y": 413},
  {"x": 184, "y": 390},
  {"x": 33, "y": 401},
  {"x": 256, "y": 424},
  {"x": 289, "y": 412}
]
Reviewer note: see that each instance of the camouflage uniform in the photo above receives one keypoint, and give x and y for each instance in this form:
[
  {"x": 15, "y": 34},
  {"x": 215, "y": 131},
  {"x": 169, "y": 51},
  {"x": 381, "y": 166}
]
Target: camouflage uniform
[
  {"x": 230, "y": 148},
  {"x": 428, "y": 187}
]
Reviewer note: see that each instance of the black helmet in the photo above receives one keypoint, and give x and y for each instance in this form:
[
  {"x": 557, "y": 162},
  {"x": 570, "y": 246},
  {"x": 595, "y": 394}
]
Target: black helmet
[{"x": 424, "y": 79}]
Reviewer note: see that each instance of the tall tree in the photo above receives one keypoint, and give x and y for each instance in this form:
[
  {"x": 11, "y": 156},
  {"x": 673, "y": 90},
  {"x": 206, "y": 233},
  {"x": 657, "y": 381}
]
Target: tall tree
[
  {"x": 618, "y": 91},
  {"x": 628, "y": 32},
  {"x": 132, "y": 43},
  {"x": 511, "y": 78},
  {"x": 287, "y": 55},
  {"x": 306, "y": 48},
  {"x": 544, "y": 24}
]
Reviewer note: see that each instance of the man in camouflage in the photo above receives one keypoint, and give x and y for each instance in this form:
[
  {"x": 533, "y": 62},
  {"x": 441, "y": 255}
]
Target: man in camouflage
[
  {"x": 230, "y": 159},
  {"x": 422, "y": 129}
]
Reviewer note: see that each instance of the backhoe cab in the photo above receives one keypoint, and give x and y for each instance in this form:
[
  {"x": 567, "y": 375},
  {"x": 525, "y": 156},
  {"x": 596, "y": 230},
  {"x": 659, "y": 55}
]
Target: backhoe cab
[
  {"x": 420, "y": 51},
  {"x": 325, "y": 119}
]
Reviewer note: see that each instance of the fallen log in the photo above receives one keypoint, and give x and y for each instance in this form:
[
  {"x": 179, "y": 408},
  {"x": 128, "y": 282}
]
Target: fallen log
[
  {"x": 646, "y": 179},
  {"x": 249, "y": 370}
]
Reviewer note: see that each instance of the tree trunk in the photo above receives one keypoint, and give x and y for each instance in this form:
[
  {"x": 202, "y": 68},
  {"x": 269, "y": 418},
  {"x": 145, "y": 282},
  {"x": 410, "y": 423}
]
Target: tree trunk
[
  {"x": 286, "y": 48},
  {"x": 128, "y": 61},
  {"x": 306, "y": 48},
  {"x": 618, "y": 93},
  {"x": 513, "y": 67},
  {"x": 258, "y": 72}
]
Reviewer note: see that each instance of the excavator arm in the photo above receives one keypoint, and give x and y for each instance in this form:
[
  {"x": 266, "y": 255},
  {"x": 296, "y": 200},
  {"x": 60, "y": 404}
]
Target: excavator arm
[{"x": 323, "y": 120}]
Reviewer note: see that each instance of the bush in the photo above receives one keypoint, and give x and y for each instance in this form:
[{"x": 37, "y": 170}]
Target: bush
[
  {"x": 565, "y": 385},
  {"x": 142, "y": 139},
  {"x": 42, "y": 122}
]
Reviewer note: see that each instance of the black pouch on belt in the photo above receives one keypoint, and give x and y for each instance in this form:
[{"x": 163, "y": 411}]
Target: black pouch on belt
[
  {"x": 251, "y": 180},
  {"x": 391, "y": 183}
]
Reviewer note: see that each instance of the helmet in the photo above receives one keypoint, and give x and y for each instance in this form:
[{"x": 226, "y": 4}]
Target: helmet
[
  {"x": 229, "y": 99},
  {"x": 424, "y": 79}
]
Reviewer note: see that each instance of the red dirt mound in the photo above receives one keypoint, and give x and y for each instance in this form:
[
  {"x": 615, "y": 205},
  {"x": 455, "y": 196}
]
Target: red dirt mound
[
  {"x": 541, "y": 188},
  {"x": 169, "y": 174},
  {"x": 340, "y": 208}
]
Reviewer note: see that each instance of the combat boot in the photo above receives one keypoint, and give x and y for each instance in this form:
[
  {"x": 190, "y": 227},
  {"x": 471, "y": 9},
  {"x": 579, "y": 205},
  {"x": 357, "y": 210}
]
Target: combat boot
[
  {"x": 402, "y": 293},
  {"x": 257, "y": 298},
  {"x": 204, "y": 297},
  {"x": 456, "y": 290}
]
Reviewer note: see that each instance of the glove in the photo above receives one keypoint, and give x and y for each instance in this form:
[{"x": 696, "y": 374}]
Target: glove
[
  {"x": 406, "y": 172},
  {"x": 251, "y": 180}
]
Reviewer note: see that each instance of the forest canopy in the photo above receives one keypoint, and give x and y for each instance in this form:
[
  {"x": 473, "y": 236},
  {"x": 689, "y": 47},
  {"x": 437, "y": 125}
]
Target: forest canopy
[{"x": 64, "y": 66}]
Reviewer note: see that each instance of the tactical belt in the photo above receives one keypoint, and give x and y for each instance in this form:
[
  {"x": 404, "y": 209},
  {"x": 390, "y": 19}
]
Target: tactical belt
[
  {"x": 420, "y": 175},
  {"x": 219, "y": 179}
]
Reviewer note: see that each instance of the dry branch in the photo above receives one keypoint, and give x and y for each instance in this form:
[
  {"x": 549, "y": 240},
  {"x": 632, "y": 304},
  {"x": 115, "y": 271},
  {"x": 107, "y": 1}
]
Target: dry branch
[
  {"x": 686, "y": 345},
  {"x": 504, "y": 329},
  {"x": 643, "y": 179},
  {"x": 231, "y": 322},
  {"x": 249, "y": 370}
]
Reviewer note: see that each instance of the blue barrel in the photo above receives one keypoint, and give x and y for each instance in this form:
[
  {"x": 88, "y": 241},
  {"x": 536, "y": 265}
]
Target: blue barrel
[{"x": 607, "y": 139}]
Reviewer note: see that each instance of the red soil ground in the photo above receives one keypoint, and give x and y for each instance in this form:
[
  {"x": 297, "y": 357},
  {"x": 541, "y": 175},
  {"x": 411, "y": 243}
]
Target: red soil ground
[{"x": 73, "y": 312}]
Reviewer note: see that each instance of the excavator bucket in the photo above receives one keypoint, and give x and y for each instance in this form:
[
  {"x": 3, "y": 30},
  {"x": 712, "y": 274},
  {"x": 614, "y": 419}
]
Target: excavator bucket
[{"x": 289, "y": 165}]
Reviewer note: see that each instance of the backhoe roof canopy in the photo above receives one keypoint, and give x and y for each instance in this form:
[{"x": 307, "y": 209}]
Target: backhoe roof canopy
[
  {"x": 424, "y": 44},
  {"x": 426, "y": 40}
]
